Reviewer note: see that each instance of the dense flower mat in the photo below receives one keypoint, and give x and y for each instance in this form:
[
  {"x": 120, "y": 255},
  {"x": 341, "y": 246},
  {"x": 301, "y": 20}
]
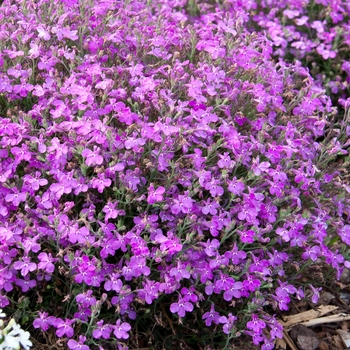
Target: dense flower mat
[{"x": 163, "y": 177}]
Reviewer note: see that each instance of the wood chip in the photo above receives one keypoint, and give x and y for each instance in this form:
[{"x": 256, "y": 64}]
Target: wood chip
[
  {"x": 289, "y": 321},
  {"x": 280, "y": 344},
  {"x": 345, "y": 336},
  {"x": 328, "y": 319},
  {"x": 337, "y": 342}
]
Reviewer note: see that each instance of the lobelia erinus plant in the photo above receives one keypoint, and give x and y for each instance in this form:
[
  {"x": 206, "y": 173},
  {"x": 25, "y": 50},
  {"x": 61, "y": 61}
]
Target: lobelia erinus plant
[{"x": 160, "y": 174}]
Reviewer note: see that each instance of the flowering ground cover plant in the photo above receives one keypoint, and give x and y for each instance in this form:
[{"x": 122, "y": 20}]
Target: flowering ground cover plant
[{"x": 163, "y": 182}]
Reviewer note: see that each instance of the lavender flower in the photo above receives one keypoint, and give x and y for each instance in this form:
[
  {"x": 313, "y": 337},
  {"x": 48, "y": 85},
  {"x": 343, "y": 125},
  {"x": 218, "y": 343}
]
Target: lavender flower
[{"x": 121, "y": 330}]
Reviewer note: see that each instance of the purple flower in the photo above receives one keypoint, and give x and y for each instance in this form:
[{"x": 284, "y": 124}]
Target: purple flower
[
  {"x": 256, "y": 324},
  {"x": 83, "y": 314},
  {"x": 247, "y": 236},
  {"x": 210, "y": 207},
  {"x": 110, "y": 210},
  {"x": 213, "y": 186},
  {"x": 211, "y": 247},
  {"x": 16, "y": 197},
  {"x": 197, "y": 158},
  {"x": 86, "y": 271},
  {"x": 268, "y": 345},
  {"x": 234, "y": 290},
  {"x": 155, "y": 195},
  {"x": 81, "y": 186},
  {"x": 138, "y": 266},
  {"x": 284, "y": 233},
  {"x": 92, "y": 157},
  {"x": 25, "y": 283},
  {"x": 149, "y": 291},
  {"x": 228, "y": 322},
  {"x": 35, "y": 182},
  {"x": 43, "y": 33},
  {"x": 224, "y": 282},
  {"x": 211, "y": 316},
  {"x": 180, "y": 271},
  {"x": 205, "y": 272},
  {"x": 181, "y": 307},
  {"x": 114, "y": 283},
  {"x": 237, "y": 255},
  {"x": 167, "y": 128},
  {"x": 268, "y": 211},
  {"x": 60, "y": 188},
  {"x": 101, "y": 182},
  {"x": 213, "y": 226},
  {"x": 45, "y": 201},
  {"x": 251, "y": 284},
  {"x": 85, "y": 299},
  {"x": 194, "y": 89},
  {"x": 6, "y": 278},
  {"x": 203, "y": 177},
  {"x": 276, "y": 188},
  {"x": 235, "y": 186},
  {"x": 121, "y": 330},
  {"x": 3, "y": 301},
  {"x": 189, "y": 294},
  {"x": 283, "y": 301},
  {"x": 109, "y": 246},
  {"x": 62, "y": 32},
  {"x": 259, "y": 265},
  {"x": 131, "y": 180},
  {"x": 46, "y": 262},
  {"x": 127, "y": 273},
  {"x": 299, "y": 293},
  {"x": 162, "y": 160},
  {"x": 134, "y": 144},
  {"x": 182, "y": 204},
  {"x": 218, "y": 261},
  {"x": 63, "y": 327},
  {"x": 316, "y": 293},
  {"x": 169, "y": 246},
  {"x": 344, "y": 234},
  {"x": 102, "y": 330},
  {"x": 123, "y": 302},
  {"x": 74, "y": 345},
  {"x": 258, "y": 167},
  {"x": 225, "y": 160},
  {"x": 285, "y": 288},
  {"x": 25, "y": 266},
  {"x": 278, "y": 174},
  {"x": 81, "y": 235},
  {"x": 59, "y": 150},
  {"x": 276, "y": 329},
  {"x": 42, "y": 321},
  {"x": 312, "y": 253},
  {"x": 23, "y": 88},
  {"x": 169, "y": 285}
]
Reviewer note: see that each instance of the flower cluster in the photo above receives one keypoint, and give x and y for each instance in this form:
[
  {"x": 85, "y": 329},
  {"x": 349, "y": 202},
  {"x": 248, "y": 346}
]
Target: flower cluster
[
  {"x": 158, "y": 165},
  {"x": 316, "y": 32}
]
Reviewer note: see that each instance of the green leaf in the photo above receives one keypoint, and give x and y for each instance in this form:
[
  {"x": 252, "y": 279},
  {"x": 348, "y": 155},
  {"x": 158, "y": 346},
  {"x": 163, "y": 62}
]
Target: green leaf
[
  {"x": 334, "y": 240},
  {"x": 25, "y": 319}
]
